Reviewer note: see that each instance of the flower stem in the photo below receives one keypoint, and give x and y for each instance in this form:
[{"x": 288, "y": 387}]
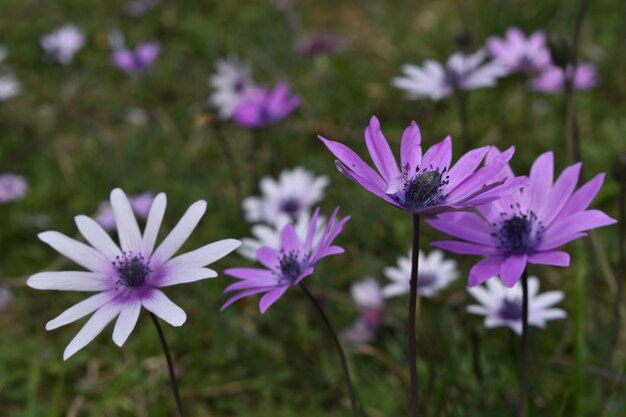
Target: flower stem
[
  {"x": 523, "y": 361},
  {"x": 412, "y": 310},
  {"x": 228, "y": 155},
  {"x": 342, "y": 355},
  {"x": 170, "y": 365}
]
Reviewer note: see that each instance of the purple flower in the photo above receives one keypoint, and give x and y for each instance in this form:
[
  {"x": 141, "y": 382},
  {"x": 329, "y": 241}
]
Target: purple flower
[
  {"x": 12, "y": 187},
  {"x": 424, "y": 184},
  {"x": 526, "y": 226},
  {"x": 231, "y": 82},
  {"x": 140, "y": 204},
  {"x": 128, "y": 276},
  {"x": 318, "y": 44},
  {"x": 138, "y": 60},
  {"x": 287, "y": 266},
  {"x": 262, "y": 108},
  {"x": 552, "y": 79},
  {"x": 517, "y": 53}
]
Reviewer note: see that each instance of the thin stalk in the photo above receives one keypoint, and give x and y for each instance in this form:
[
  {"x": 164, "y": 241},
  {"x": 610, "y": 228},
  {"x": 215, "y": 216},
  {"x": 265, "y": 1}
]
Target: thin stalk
[
  {"x": 523, "y": 360},
  {"x": 337, "y": 343},
  {"x": 230, "y": 158},
  {"x": 414, "y": 396},
  {"x": 170, "y": 365}
]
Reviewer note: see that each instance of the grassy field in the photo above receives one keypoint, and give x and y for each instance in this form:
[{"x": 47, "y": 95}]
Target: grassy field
[{"x": 69, "y": 133}]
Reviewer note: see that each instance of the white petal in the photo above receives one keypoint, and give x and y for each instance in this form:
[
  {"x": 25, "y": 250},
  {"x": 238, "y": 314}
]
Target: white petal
[
  {"x": 97, "y": 237},
  {"x": 80, "y": 310},
  {"x": 92, "y": 328},
  {"x": 186, "y": 275},
  {"x": 203, "y": 256},
  {"x": 156, "y": 302},
  {"x": 476, "y": 309},
  {"x": 83, "y": 255},
  {"x": 155, "y": 217},
  {"x": 126, "y": 321},
  {"x": 127, "y": 227},
  {"x": 181, "y": 232},
  {"x": 70, "y": 281}
]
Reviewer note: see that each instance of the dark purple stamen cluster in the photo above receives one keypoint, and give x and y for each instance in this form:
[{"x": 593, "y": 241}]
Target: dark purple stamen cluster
[
  {"x": 453, "y": 79},
  {"x": 519, "y": 234},
  {"x": 425, "y": 189},
  {"x": 290, "y": 267},
  {"x": 132, "y": 269},
  {"x": 290, "y": 206},
  {"x": 426, "y": 279},
  {"x": 510, "y": 310}
]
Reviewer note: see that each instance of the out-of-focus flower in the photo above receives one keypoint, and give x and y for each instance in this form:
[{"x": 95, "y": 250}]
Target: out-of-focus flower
[
  {"x": 502, "y": 306},
  {"x": 140, "y": 204},
  {"x": 518, "y": 53},
  {"x": 231, "y": 82},
  {"x": 138, "y": 60},
  {"x": 296, "y": 191},
  {"x": 368, "y": 296},
  {"x": 63, "y": 43},
  {"x": 527, "y": 226},
  {"x": 425, "y": 185},
  {"x": 12, "y": 187},
  {"x": 462, "y": 72},
  {"x": 552, "y": 79},
  {"x": 9, "y": 87},
  {"x": 138, "y": 8},
  {"x": 434, "y": 273},
  {"x": 287, "y": 266},
  {"x": 318, "y": 44},
  {"x": 128, "y": 276},
  {"x": 6, "y": 297},
  {"x": 261, "y": 107}
]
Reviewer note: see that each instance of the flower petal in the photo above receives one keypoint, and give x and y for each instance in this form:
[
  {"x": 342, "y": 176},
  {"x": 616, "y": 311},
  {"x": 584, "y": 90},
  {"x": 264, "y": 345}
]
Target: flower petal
[
  {"x": 464, "y": 248},
  {"x": 380, "y": 152},
  {"x": 537, "y": 193},
  {"x": 184, "y": 276},
  {"x": 485, "y": 269},
  {"x": 411, "y": 148},
  {"x": 83, "y": 255},
  {"x": 70, "y": 281},
  {"x": 241, "y": 295},
  {"x": 466, "y": 165},
  {"x": 203, "y": 256},
  {"x": 92, "y": 328},
  {"x": 97, "y": 237},
  {"x": 180, "y": 233},
  {"x": 153, "y": 224},
  {"x": 80, "y": 310},
  {"x": 156, "y": 302},
  {"x": 439, "y": 155},
  {"x": 581, "y": 199},
  {"x": 512, "y": 269},
  {"x": 560, "y": 194},
  {"x": 127, "y": 227},
  {"x": 552, "y": 257},
  {"x": 126, "y": 321},
  {"x": 270, "y": 298}
]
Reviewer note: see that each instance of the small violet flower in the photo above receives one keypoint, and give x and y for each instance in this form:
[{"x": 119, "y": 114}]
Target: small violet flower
[
  {"x": 552, "y": 79},
  {"x": 502, "y": 306},
  {"x": 287, "y": 266},
  {"x": 128, "y": 276},
  {"x": 63, "y": 43},
  {"x": 461, "y": 72},
  {"x": 519, "y": 54},
  {"x": 261, "y": 107},
  {"x": 231, "y": 82},
  {"x": 368, "y": 297},
  {"x": 138, "y": 60},
  {"x": 140, "y": 204},
  {"x": 434, "y": 273},
  {"x": 296, "y": 191},
  {"x": 527, "y": 226},
  {"x": 12, "y": 187},
  {"x": 427, "y": 184}
]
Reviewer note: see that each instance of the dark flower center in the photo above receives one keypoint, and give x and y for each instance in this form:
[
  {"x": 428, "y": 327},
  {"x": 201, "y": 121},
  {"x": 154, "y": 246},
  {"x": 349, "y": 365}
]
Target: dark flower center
[
  {"x": 132, "y": 270},
  {"x": 239, "y": 85},
  {"x": 290, "y": 268},
  {"x": 424, "y": 190},
  {"x": 520, "y": 234},
  {"x": 510, "y": 310},
  {"x": 290, "y": 206},
  {"x": 453, "y": 79},
  {"x": 426, "y": 279}
]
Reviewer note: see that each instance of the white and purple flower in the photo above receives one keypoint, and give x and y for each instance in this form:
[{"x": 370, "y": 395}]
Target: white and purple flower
[{"x": 231, "y": 82}]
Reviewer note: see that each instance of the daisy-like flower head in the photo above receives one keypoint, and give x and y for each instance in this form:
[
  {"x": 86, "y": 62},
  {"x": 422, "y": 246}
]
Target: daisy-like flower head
[
  {"x": 261, "y": 107},
  {"x": 502, "y": 306},
  {"x": 296, "y": 191},
  {"x": 231, "y": 82},
  {"x": 318, "y": 44},
  {"x": 434, "y": 273},
  {"x": 269, "y": 235},
  {"x": 128, "y": 276},
  {"x": 426, "y": 184},
  {"x": 518, "y": 53},
  {"x": 552, "y": 79},
  {"x": 12, "y": 187},
  {"x": 140, "y": 204},
  {"x": 9, "y": 87},
  {"x": 63, "y": 43},
  {"x": 287, "y": 266},
  {"x": 461, "y": 72},
  {"x": 526, "y": 226},
  {"x": 138, "y": 60}
]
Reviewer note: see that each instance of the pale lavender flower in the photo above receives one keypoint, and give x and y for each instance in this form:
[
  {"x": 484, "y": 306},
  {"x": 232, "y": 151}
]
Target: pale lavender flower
[
  {"x": 462, "y": 72},
  {"x": 297, "y": 190},
  {"x": 128, "y": 276},
  {"x": 9, "y": 87},
  {"x": 434, "y": 273},
  {"x": 552, "y": 79},
  {"x": 518, "y": 53},
  {"x": 261, "y": 107},
  {"x": 231, "y": 82},
  {"x": 138, "y": 60},
  {"x": 502, "y": 306},
  {"x": 63, "y": 43},
  {"x": 140, "y": 204},
  {"x": 318, "y": 44},
  {"x": 12, "y": 187},
  {"x": 368, "y": 297}
]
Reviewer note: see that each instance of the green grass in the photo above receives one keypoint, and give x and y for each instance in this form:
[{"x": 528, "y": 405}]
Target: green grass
[{"x": 68, "y": 134}]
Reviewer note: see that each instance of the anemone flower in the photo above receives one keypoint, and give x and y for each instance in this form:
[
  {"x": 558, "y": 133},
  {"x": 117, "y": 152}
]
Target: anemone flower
[
  {"x": 552, "y": 79},
  {"x": 518, "y": 53},
  {"x": 261, "y": 107},
  {"x": 502, "y": 306},
  {"x": 12, "y": 187},
  {"x": 231, "y": 82},
  {"x": 527, "y": 226},
  {"x": 138, "y": 60},
  {"x": 296, "y": 191},
  {"x": 63, "y": 43}
]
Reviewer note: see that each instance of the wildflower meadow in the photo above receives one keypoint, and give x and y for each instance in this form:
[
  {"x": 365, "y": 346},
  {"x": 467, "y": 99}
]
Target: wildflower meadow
[{"x": 334, "y": 208}]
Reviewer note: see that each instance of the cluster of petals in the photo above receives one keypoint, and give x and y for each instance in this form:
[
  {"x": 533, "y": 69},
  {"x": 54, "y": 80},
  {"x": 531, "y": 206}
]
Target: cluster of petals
[
  {"x": 261, "y": 107},
  {"x": 129, "y": 276},
  {"x": 527, "y": 226},
  {"x": 518, "y": 53},
  {"x": 137, "y": 60},
  {"x": 425, "y": 184},
  {"x": 552, "y": 80}
]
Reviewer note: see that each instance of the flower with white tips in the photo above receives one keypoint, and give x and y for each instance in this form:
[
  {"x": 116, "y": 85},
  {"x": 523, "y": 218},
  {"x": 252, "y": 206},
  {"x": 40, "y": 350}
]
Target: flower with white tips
[
  {"x": 63, "y": 43},
  {"x": 231, "y": 81},
  {"x": 434, "y": 273},
  {"x": 502, "y": 306},
  {"x": 128, "y": 276}
]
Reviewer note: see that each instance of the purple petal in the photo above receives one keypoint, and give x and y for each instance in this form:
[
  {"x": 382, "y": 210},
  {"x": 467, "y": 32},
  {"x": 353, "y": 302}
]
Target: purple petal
[
  {"x": 553, "y": 257},
  {"x": 464, "y": 248},
  {"x": 561, "y": 193},
  {"x": 438, "y": 155},
  {"x": 466, "y": 226},
  {"x": 78, "y": 252},
  {"x": 248, "y": 273},
  {"x": 156, "y": 302},
  {"x": 579, "y": 222},
  {"x": 512, "y": 269},
  {"x": 268, "y": 257},
  {"x": 380, "y": 152},
  {"x": 411, "y": 148},
  {"x": 467, "y": 164},
  {"x": 203, "y": 256},
  {"x": 289, "y": 240},
  {"x": 485, "y": 269},
  {"x": 241, "y": 295},
  {"x": 270, "y": 298},
  {"x": 537, "y": 193},
  {"x": 581, "y": 199},
  {"x": 558, "y": 239}
]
